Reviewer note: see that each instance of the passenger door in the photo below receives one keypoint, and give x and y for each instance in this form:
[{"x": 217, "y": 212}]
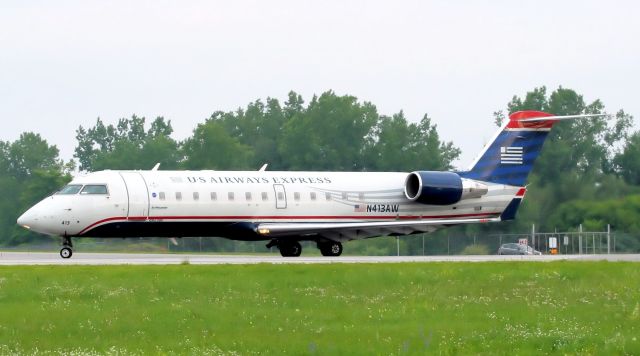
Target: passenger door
[
  {"x": 281, "y": 196},
  {"x": 137, "y": 193}
]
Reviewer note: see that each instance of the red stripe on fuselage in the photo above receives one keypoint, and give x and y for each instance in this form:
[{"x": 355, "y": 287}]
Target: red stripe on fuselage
[{"x": 277, "y": 217}]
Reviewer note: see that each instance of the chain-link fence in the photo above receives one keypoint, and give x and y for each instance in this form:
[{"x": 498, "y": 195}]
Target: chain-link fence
[{"x": 445, "y": 242}]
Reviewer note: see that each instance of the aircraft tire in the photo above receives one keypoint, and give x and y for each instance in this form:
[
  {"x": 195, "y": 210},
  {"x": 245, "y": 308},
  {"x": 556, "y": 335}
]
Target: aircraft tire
[
  {"x": 66, "y": 252},
  {"x": 290, "y": 249},
  {"x": 331, "y": 248}
]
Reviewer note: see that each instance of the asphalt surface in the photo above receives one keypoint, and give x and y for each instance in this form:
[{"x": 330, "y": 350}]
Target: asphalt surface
[{"x": 79, "y": 258}]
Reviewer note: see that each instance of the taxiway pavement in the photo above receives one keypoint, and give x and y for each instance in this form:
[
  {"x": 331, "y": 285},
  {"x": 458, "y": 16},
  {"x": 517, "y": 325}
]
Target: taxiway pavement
[{"x": 80, "y": 258}]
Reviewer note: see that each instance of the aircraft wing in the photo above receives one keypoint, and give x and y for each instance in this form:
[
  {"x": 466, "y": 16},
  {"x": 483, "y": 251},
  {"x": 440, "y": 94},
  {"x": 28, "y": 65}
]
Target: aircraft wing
[{"x": 360, "y": 230}]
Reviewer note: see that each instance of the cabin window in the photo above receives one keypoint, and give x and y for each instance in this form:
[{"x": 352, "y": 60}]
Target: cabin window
[
  {"x": 327, "y": 196},
  {"x": 214, "y": 196},
  {"x": 247, "y": 196},
  {"x": 265, "y": 196},
  {"x": 344, "y": 195},
  {"x": 361, "y": 196},
  {"x": 178, "y": 195},
  {"x": 280, "y": 196},
  {"x": 196, "y": 196},
  {"x": 161, "y": 195},
  {"x": 312, "y": 195},
  {"x": 70, "y": 189},
  {"x": 230, "y": 196},
  {"x": 296, "y": 196},
  {"x": 94, "y": 189}
]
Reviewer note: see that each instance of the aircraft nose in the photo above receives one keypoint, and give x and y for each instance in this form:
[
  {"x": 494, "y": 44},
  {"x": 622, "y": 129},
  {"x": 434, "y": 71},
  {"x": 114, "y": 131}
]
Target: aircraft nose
[{"x": 26, "y": 220}]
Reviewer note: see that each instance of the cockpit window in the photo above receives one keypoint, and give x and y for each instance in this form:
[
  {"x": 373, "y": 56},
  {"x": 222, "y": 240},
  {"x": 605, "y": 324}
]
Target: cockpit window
[
  {"x": 94, "y": 189},
  {"x": 70, "y": 189}
]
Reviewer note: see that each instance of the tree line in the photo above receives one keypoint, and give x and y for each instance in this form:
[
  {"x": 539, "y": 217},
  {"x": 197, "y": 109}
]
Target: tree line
[{"x": 587, "y": 166}]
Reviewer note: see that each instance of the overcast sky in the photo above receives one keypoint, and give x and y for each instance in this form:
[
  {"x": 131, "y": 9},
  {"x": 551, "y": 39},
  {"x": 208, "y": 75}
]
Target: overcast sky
[{"x": 65, "y": 63}]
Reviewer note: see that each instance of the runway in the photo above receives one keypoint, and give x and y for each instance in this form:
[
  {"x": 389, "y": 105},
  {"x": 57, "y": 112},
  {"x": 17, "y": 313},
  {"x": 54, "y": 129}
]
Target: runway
[{"x": 80, "y": 258}]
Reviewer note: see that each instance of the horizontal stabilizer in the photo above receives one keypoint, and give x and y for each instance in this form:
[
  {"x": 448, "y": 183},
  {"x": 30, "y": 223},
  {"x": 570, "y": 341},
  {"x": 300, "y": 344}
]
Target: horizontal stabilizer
[{"x": 562, "y": 117}]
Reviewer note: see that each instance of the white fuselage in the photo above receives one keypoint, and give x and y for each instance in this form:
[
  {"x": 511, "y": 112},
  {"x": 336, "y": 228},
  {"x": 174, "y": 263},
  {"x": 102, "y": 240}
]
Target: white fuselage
[{"x": 208, "y": 203}]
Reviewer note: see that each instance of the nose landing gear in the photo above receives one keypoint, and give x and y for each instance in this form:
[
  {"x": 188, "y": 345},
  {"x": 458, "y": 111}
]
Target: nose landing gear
[{"x": 66, "y": 250}]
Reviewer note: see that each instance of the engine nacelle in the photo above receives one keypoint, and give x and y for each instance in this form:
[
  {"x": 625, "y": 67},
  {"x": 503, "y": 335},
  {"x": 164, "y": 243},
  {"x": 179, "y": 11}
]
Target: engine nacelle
[{"x": 441, "y": 188}]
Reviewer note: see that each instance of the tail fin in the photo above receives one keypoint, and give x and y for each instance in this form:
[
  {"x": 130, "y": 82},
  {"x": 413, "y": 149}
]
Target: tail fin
[{"x": 509, "y": 157}]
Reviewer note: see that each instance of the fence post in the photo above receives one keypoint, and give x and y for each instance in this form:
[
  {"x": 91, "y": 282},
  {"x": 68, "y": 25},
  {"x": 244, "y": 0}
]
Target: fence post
[
  {"x": 608, "y": 239},
  {"x": 580, "y": 240},
  {"x": 533, "y": 236}
]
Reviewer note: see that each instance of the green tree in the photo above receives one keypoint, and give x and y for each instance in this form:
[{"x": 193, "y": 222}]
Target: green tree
[
  {"x": 620, "y": 213},
  {"x": 403, "y": 146},
  {"x": 30, "y": 153},
  {"x": 211, "y": 147},
  {"x": 258, "y": 127},
  {"x": 29, "y": 170},
  {"x": 627, "y": 162},
  {"x": 127, "y": 145},
  {"x": 332, "y": 133}
]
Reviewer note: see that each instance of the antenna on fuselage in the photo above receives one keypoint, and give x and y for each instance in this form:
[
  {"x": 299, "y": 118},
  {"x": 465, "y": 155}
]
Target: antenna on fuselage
[
  {"x": 155, "y": 168},
  {"x": 263, "y": 168}
]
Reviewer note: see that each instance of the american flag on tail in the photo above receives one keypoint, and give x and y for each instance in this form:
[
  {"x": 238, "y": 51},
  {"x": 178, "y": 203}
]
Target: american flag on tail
[{"x": 511, "y": 155}]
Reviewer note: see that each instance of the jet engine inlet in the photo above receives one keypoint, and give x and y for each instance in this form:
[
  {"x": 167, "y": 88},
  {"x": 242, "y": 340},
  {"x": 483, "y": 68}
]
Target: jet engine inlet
[{"x": 441, "y": 188}]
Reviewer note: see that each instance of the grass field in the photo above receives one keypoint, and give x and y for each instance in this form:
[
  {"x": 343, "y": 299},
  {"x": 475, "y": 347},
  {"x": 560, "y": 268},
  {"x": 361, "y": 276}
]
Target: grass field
[{"x": 445, "y": 308}]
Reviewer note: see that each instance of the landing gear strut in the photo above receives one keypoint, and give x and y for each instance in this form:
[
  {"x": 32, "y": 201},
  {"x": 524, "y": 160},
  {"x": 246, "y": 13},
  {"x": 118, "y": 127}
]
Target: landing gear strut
[
  {"x": 330, "y": 248},
  {"x": 66, "y": 251}
]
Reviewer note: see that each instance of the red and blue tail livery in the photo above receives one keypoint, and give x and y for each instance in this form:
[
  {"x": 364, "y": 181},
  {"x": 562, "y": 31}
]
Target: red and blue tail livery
[{"x": 510, "y": 156}]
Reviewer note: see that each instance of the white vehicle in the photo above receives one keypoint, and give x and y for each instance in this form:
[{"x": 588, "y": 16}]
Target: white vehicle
[{"x": 285, "y": 208}]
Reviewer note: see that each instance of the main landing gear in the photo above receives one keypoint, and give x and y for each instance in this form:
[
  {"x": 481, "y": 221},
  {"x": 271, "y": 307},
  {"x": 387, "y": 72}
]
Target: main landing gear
[
  {"x": 294, "y": 249},
  {"x": 66, "y": 250},
  {"x": 330, "y": 248},
  {"x": 290, "y": 249}
]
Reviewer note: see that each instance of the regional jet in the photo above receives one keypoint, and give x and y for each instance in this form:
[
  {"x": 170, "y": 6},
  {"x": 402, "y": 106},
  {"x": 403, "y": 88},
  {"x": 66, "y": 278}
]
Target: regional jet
[{"x": 284, "y": 208}]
